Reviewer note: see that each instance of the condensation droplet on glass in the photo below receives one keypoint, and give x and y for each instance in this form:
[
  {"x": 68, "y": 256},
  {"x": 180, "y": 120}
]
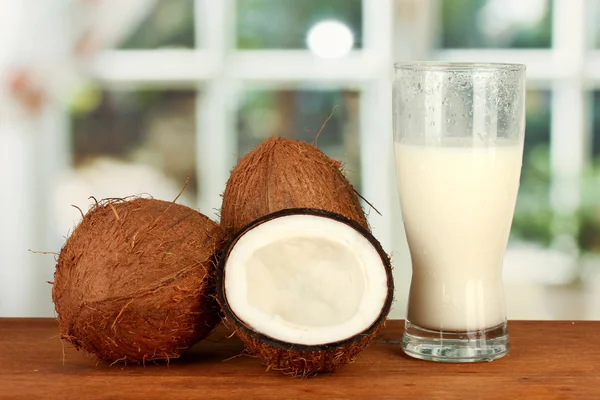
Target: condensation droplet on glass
[
  {"x": 446, "y": 100},
  {"x": 418, "y": 86},
  {"x": 432, "y": 123}
]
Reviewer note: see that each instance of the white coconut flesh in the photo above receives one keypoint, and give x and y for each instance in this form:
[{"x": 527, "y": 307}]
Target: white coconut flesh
[{"x": 305, "y": 279}]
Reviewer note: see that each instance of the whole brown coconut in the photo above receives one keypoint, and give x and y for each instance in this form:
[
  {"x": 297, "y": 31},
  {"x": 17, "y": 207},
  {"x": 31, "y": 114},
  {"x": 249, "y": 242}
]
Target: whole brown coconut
[
  {"x": 280, "y": 174},
  {"x": 135, "y": 280}
]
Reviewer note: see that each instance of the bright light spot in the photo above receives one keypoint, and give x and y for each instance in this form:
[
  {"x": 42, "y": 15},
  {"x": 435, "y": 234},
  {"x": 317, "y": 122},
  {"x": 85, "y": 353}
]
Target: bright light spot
[{"x": 330, "y": 39}]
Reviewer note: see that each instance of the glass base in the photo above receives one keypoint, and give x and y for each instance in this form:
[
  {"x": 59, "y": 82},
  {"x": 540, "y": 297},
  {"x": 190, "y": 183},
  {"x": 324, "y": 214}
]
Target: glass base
[{"x": 460, "y": 347}]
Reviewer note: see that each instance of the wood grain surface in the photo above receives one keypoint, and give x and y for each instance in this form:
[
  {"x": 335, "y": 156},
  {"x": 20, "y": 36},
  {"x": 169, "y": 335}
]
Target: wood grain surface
[{"x": 548, "y": 360}]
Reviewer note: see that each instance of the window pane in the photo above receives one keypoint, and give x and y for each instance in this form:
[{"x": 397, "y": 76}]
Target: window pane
[
  {"x": 533, "y": 214},
  {"x": 589, "y": 221},
  {"x": 592, "y": 24},
  {"x": 128, "y": 143},
  {"x": 496, "y": 23},
  {"x": 170, "y": 24},
  {"x": 300, "y": 115},
  {"x": 596, "y": 126},
  {"x": 284, "y": 24}
]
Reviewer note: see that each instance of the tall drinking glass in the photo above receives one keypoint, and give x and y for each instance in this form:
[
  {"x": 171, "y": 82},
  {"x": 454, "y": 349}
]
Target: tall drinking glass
[{"x": 458, "y": 137}]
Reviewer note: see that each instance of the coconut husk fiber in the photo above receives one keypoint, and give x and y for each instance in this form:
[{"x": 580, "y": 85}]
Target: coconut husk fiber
[
  {"x": 134, "y": 282},
  {"x": 297, "y": 361},
  {"x": 283, "y": 173}
]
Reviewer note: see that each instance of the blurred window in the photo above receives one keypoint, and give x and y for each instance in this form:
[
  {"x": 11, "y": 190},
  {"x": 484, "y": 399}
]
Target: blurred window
[
  {"x": 253, "y": 87},
  {"x": 533, "y": 214},
  {"x": 285, "y": 24},
  {"x": 131, "y": 142}
]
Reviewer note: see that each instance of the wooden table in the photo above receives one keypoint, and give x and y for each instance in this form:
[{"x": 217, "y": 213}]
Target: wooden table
[{"x": 549, "y": 360}]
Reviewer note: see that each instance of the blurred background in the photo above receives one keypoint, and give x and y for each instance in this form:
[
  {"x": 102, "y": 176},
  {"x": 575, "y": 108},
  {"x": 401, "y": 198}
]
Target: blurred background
[{"x": 110, "y": 98}]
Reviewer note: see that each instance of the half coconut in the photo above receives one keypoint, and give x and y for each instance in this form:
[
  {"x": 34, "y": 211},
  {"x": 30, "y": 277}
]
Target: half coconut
[{"x": 306, "y": 290}]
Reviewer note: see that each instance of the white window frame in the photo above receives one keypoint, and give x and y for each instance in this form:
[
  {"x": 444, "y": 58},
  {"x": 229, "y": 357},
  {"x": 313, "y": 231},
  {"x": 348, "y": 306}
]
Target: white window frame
[
  {"x": 219, "y": 71},
  {"x": 393, "y": 30}
]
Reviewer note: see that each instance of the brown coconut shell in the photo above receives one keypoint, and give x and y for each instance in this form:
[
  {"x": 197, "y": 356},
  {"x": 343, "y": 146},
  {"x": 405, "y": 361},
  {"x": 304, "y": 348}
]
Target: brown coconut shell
[
  {"x": 135, "y": 281},
  {"x": 297, "y": 359},
  {"x": 283, "y": 173}
]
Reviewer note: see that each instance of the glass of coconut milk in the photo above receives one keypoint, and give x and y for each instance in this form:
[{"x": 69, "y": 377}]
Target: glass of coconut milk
[{"x": 458, "y": 137}]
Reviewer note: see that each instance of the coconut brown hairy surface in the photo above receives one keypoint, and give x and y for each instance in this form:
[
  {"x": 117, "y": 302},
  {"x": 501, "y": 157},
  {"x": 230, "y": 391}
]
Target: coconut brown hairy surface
[
  {"x": 282, "y": 173},
  {"x": 134, "y": 282},
  {"x": 306, "y": 290}
]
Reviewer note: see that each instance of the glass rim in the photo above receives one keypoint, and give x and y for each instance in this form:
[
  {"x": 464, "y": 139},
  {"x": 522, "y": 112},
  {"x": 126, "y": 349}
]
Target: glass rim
[{"x": 450, "y": 66}]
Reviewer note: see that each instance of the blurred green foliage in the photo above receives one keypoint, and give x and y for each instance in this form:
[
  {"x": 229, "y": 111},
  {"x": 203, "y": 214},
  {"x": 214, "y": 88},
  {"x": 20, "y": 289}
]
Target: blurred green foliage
[
  {"x": 283, "y": 24},
  {"x": 461, "y": 27},
  {"x": 261, "y": 24},
  {"x": 534, "y": 216},
  {"x": 535, "y": 220},
  {"x": 169, "y": 25},
  {"x": 589, "y": 213}
]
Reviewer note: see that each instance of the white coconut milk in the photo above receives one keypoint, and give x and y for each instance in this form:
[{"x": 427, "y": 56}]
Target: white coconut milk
[{"x": 457, "y": 205}]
